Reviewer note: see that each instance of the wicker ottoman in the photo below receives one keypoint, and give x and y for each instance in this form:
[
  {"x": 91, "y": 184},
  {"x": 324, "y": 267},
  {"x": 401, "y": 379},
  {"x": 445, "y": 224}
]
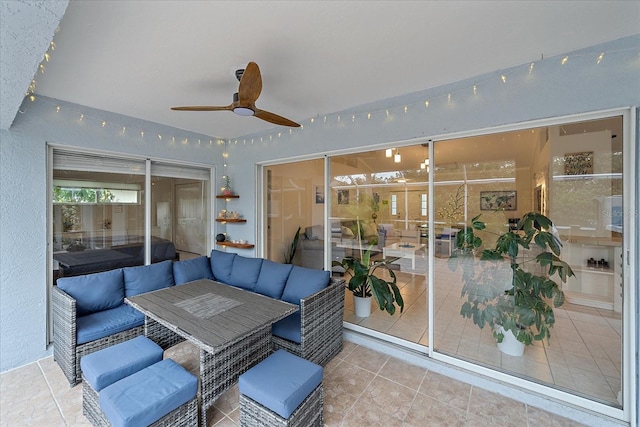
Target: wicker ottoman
[
  {"x": 163, "y": 394},
  {"x": 282, "y": 390}
]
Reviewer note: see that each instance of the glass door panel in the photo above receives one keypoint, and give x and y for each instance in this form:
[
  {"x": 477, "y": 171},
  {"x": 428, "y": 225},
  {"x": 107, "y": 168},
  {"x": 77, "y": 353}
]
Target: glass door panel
[{"x": 572, "y": 174}]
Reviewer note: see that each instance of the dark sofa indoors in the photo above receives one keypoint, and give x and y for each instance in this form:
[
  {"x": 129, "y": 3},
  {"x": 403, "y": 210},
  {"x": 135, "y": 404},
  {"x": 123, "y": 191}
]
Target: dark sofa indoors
[{"x": 130, "y": 253}]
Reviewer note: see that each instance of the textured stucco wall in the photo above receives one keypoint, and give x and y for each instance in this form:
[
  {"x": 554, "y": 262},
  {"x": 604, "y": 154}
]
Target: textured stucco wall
[{"x": 26, "y": 29}]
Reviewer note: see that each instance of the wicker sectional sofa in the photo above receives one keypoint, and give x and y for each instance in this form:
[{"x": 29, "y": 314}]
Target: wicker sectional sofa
[{"x": 89, "y": 312}]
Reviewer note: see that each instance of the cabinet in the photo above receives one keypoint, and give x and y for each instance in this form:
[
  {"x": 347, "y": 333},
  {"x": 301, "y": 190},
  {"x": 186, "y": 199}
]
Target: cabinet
[
  {"x": 224, "y": 220},
  {"x": 598, "y": 283}
]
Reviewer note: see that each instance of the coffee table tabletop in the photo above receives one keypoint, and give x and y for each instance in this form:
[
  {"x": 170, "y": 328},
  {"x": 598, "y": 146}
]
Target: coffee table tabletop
[{"x": 211, "y": 313}]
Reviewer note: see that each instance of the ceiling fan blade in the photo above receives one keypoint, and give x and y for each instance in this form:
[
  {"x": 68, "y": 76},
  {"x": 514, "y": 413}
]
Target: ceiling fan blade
[
  {"x": 250, "y": 84},
  {"x": 275, "y": 119},
  {"x": 204, "y": 108}
]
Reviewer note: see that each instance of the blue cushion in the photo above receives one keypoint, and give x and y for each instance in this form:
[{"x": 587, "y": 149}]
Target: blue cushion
[
  {"x": 272, "y": 278},
  {"x": 244, "y": 272},
  {"x": 95, "y": 292},
  {"x": 281, "y": 382},
  {"x": 192, "y": 269},
  {"x": 303, "y": 282},
  {"x": 148, "y": 395},
  {"x": 288, "y": 328},
  {"x": 221, "y": 263},
  {"x": 107, "y": 322},
  {"x": 104, "y": 367},
  {"x": 147, "y": 278}
]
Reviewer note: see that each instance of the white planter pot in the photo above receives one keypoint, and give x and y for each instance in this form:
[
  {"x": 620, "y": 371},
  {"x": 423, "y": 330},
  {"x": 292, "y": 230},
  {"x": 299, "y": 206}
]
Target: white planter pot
[
  {"x": 510, "y": 345},
  {"x": 362, "y": 306}
]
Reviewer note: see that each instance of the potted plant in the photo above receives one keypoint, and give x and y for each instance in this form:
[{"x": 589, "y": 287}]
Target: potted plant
[
  {"x": 364, "y": 283},
  {"x": 522, "y": 307}
]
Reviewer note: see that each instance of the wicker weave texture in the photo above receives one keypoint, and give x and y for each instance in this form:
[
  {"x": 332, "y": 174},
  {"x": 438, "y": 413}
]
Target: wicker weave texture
[
  {"x": 308, "y": 414},
  {"x": 66, "y": 351},
  {"x": 321, "y": 317},
  {"x": 183, "y": 416}
]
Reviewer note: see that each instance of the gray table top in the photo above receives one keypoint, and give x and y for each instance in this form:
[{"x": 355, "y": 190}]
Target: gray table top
[{"x": 211, "y": 313}]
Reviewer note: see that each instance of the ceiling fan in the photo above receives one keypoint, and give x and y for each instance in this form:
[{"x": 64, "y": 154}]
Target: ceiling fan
[{"x": 244, "y": 101}]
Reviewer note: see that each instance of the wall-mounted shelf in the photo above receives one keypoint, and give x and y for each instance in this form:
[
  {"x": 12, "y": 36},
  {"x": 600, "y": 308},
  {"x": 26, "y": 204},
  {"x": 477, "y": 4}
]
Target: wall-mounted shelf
[
  {"x": 236, "y": 245},
  {"x": 227, "y": 196},
  {"x": 237, "y": 220}
]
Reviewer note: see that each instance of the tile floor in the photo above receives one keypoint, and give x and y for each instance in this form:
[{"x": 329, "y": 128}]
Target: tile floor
[
  {"x": 362, "y": 387},
  {"x": 583, "y": 356}
]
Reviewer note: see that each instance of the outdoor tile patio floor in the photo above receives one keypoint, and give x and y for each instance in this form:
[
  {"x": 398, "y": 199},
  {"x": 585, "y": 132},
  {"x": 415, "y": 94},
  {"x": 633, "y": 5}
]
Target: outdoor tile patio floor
[{"x": 362, "y": 387}]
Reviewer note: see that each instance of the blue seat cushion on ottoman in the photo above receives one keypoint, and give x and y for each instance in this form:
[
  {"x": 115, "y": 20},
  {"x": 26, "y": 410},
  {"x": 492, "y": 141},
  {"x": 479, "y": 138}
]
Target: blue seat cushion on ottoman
[
  {"x": 108, "y": 322},
  {"x": 281, "y": 382},
  {"x": 288, "y": 328},
  {"x": 148, "y": 395},
  {"x": 104, "y": 367}
]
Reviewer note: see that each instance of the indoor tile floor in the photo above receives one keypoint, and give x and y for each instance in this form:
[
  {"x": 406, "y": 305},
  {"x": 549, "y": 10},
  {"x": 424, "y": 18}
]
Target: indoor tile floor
[
  {"x": 582, "y": 357},
  {"x": 362, "y": 387}
]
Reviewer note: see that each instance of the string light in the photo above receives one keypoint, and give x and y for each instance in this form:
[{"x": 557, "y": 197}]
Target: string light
[{"x": 326, "y": 118}]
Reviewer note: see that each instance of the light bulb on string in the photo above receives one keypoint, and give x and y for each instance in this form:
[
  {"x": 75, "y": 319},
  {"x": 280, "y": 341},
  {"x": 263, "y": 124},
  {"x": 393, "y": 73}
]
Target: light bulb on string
[
  {"x": 531, "y": 67},
  {"x": 475, "y": 89},
  {"x": 104, "y": 123},
  {"x": 564, "y": 60},
  {"x": 368, "y": 116},
  {"x": 57, "y": 109},
  {"x": 503, "y": 78},
  {"x": 426, "y": 104},
  {"x": 599, "y": 60}
]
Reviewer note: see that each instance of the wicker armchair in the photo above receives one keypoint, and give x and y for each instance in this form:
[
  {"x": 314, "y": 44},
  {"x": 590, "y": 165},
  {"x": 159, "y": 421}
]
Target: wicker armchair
[
  {"x": 321, "y": 317},
  {"x": 66, "y": 351}
]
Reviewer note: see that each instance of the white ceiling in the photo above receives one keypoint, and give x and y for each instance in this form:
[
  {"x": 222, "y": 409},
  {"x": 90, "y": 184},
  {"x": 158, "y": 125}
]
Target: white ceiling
[{"x": 139, "y": 58}]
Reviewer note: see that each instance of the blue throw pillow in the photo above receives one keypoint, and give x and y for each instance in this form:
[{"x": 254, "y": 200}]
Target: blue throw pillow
[
  {"x": 192, "y": 269},
  {"x": 273, "y": 276},
  {"x": 221, "y": 263},
  {"x": 303, "y": 282},
  {"x": 95, "y": 292},
  {"x": 147, "y": 278},
  {"x": 244, "y": 272}
]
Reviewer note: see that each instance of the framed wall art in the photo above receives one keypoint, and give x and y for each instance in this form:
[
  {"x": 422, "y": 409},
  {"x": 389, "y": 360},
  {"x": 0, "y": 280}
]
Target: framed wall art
[
  {"x": 319, "y": 194},
  {"x": 498, "y": 200},
  {"x": 343, "y": 197}
]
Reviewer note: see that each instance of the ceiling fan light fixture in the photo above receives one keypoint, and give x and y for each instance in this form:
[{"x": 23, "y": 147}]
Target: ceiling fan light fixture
[{"x": 243, "y": 111}]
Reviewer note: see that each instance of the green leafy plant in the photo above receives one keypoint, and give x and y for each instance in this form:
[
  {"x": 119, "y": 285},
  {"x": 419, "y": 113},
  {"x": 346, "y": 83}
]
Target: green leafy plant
[
  {"x": 524, "y": 305},
  {"x": 290, "y": 252},
  {"x": 364, "y": 282}
]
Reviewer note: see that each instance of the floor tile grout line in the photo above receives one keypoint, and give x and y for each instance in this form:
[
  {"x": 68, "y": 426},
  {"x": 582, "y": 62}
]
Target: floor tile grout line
[{"x": 53, "y": 395}]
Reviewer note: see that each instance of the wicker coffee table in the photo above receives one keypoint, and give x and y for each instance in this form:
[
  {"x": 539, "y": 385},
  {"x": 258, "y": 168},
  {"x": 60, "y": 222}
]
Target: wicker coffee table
[{"x": 230, "y": 326}]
